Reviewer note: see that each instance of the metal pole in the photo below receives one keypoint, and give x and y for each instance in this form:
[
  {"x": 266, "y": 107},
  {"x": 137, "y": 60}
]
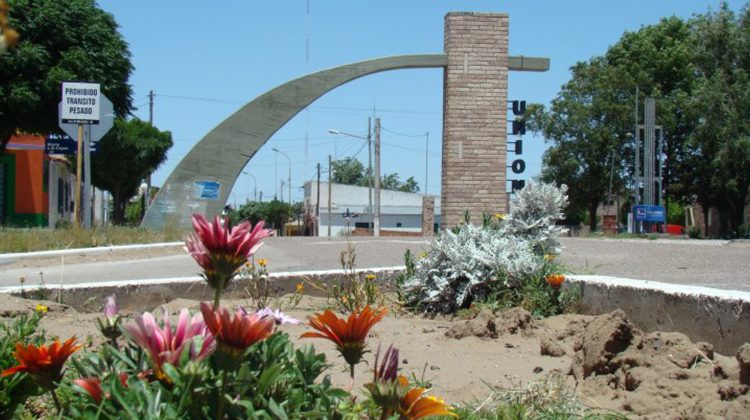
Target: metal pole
[
  {"x": 376, "y": 227},
  {"x": 317, "y": 205},
  {"x": 329, "y": 194},
  {"x": 86, "y": 195},
  {"x": 426, "y": 161},
  {"x": 79, "y": 161},
  {"x": 369, "y": 173}
]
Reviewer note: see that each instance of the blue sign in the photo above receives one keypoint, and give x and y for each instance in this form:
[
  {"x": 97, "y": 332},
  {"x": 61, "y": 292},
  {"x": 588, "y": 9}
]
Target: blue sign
[
  {"x": 61, "y": 144},
  {"x": 649, "y": 213},
  {"x": 207, "y": 190}
]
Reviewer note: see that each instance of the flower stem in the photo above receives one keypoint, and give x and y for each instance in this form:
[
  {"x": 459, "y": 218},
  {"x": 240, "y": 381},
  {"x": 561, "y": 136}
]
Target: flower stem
[
  {"x": 220, "y": 406},
  {"x": 57, "y": 402},
  {"x": 351, "y": 378},
  {"x": 217, "y": 296}
]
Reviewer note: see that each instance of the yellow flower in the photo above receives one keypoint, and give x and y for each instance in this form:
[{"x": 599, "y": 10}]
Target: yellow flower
[
  {"x": 499, "y": 216},
  {"x": 41, "y": 308},
  {"x": 300, "y": 288},
  {"x": 370, "y": 276},
  {"x": 262, "y": 262},
  {"x": 549, "y": 257},
  {"x": 423, "y": 255}
]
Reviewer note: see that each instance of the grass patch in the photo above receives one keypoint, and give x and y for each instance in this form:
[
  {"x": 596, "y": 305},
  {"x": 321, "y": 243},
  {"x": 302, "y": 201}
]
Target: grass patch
[
  {"x": 40, "y": 239},
  {"x": 549, "y": 398}
]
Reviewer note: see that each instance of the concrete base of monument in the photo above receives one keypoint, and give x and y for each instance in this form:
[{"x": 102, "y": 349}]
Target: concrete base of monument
[{"x": 720, "y": 317}]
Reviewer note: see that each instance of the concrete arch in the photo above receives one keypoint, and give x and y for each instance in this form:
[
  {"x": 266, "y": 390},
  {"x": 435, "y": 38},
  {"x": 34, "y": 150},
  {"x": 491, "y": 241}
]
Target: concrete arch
[{"x": 220, "y": 155}]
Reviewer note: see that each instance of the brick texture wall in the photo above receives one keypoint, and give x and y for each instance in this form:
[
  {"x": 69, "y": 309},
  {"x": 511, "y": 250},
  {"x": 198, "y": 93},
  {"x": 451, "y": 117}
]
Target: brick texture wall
[{"x": 474, "y": 127}]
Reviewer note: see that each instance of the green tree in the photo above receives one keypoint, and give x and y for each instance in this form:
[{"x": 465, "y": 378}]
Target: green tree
[
  {"x": 721, "y": 141},
  {"x": 125, "y": 155},
  {"x": 590, "y": 122},
  {"x": 60, "y": 41},
  {"x": 349, "y": 171}
]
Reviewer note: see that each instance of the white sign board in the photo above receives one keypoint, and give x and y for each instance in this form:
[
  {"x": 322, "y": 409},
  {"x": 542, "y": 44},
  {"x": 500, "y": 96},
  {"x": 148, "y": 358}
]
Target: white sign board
[{"x": 80, "y": 103}]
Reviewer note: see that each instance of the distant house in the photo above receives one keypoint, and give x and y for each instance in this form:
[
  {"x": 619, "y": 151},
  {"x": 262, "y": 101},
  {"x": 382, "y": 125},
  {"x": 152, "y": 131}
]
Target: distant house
[
  {"x": 37, "y": 190},
  {"x": 399, "y": 211}
]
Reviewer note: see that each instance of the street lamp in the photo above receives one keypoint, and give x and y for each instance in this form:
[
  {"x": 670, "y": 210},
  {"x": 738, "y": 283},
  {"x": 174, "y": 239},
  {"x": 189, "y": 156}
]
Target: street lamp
[
  {"x": 289, "y": 180},
  {"x": 369, "y": 164},
  {"x": 255, "y": 186}
]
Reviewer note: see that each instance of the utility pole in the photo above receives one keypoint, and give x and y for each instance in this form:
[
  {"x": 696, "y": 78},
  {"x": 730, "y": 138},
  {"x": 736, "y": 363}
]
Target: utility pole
[
  {"x": 317, "y": 205},
  {"x": 376, "y": 228},
  {"x": 329, "y": 194},
  {"x": 369, "y": 172},
  {"x": 147, "y": 193},
  {"x": 426, "y": 161}
]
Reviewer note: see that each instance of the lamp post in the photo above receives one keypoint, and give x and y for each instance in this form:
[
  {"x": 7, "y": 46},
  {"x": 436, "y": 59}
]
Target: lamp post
[
  {"x": 289, "y": 179},
  {"x": 255, "y": 186},
  {"x": 369, "y": 163}
]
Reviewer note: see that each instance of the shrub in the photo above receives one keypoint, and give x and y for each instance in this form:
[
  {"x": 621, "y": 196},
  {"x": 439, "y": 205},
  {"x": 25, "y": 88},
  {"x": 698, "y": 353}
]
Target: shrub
[
  {"x": 694, "y": 232},
  {"x": 475, "y": 263}
]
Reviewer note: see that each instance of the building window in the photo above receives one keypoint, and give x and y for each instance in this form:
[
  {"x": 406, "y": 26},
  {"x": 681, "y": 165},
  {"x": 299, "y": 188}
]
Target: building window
[{"x": 398, "y": 224}]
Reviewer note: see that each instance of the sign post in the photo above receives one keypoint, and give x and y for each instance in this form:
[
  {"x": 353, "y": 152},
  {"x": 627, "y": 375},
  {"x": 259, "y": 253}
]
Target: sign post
[{"x": 80, "y": 105}]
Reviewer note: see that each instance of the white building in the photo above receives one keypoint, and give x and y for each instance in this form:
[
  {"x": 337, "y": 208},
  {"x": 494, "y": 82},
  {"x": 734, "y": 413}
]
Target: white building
[{"x": 399, "y": 211}]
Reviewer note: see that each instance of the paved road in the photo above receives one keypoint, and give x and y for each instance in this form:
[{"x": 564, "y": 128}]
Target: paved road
[{"x": 719, "y": 264}]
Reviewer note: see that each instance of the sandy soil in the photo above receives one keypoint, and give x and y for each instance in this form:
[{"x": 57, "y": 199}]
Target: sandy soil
[{"x": 611, "y": 364}]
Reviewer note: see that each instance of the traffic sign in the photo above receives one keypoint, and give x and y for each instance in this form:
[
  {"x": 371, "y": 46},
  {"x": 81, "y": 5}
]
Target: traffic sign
[
  {"x": 91, "y": 132},
  {"x": 81, "y": 102}
]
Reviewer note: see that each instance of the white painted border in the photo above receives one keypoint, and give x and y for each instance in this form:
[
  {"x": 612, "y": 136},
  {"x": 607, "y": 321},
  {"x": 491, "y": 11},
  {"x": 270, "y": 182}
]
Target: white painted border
[
  {"x": 187, "y": 280},
  {"x": 95, "y": 250},
  {"x": 669, "y": 288}
]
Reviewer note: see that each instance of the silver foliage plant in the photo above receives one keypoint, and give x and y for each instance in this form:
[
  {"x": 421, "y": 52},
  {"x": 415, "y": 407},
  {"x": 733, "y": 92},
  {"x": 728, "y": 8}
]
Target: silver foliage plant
[{"x": 464, "y": 266}]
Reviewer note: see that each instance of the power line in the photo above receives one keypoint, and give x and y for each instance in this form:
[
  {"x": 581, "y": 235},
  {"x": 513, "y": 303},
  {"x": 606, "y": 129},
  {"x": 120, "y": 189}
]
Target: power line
[
  {"x": 339, "y": 108},
  {"x": 402, "y": 134}
]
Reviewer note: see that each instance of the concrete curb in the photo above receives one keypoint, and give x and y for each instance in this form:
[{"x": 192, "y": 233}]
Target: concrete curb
[
  {"x": 95, "y": 250},
  {"x": 142, "y": 295},
  {"x": 720, "y": 317}
]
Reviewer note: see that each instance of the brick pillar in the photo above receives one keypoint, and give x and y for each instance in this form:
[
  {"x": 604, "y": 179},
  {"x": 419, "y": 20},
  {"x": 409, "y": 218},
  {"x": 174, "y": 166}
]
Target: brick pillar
[
  {"x": 474, "y": 112},
  {"x": 428, "y": 215}
]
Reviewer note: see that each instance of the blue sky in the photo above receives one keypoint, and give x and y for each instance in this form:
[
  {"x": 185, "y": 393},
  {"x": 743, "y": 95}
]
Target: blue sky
[{"x": 204, "y": 60}]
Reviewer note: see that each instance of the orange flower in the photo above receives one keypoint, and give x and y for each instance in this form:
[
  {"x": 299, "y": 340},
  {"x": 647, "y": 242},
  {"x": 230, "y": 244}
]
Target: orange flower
[
  {"x": 414, "y": 405},
  {"x": 44, "y": 364},
  {"x": 349, "y": 335},
  {"x": 555, "y": 280},
  {"x": 234, "y": 333},
  {"x": 93, "y": 386}
]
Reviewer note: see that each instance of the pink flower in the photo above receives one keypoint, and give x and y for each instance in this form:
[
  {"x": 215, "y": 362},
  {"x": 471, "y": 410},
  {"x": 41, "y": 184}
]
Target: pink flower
[
  {"x": 278, "y": 316},
  {"x": 110, "y": 307},
  {"x": 221, "y": 250},
  {"x": 165, "y": 345},
  {"x": 110, "y": 325}
]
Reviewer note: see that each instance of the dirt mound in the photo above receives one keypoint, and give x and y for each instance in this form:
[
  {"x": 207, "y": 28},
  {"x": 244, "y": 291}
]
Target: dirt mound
[
  {"x": 488, "y": 325},
  {"x": 558, "y": 334},
  {"x": 650, "y": 375}
]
